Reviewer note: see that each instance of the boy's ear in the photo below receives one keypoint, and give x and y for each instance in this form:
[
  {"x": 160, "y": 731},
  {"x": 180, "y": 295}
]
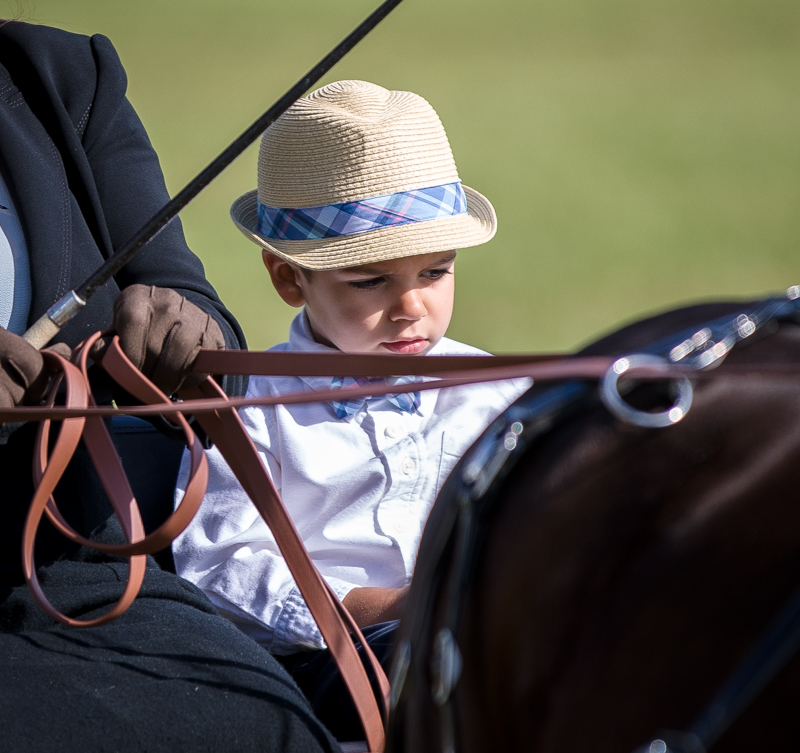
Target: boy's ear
[{"x": 285, "y": 278}]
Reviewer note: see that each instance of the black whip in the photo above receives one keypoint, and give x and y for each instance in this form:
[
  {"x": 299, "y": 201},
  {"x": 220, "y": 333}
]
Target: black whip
[{"x": 48, "y": 326}]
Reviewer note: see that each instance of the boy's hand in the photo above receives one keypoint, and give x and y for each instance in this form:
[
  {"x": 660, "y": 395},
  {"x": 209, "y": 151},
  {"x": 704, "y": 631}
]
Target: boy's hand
[
  {"x": 162, "y": 333},
  {"x": 369, "y": 606}
]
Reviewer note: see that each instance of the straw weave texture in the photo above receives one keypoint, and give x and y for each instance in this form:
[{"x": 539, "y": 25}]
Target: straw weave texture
[{"x": 350, "y": 141}]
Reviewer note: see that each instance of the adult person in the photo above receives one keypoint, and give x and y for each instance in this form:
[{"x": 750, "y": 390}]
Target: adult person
[{"x": 77, "y": 177}]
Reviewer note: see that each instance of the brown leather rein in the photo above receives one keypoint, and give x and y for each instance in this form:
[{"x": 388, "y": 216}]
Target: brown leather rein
[
  {"x": 482, "y": 369},
  {"x": 80, "y": 418}
]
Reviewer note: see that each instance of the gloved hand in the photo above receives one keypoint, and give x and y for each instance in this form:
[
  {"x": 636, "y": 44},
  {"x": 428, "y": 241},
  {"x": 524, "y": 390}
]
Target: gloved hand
[
  {"x": 23, "y": 375},
  {"x": 162, "y": 332}
]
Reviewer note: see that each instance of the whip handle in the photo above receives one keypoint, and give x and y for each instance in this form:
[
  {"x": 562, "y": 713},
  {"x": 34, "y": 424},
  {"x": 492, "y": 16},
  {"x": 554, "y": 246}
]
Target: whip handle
[
  {"x": 41, "y": 332},
  {"x": 50, "y": 323}
]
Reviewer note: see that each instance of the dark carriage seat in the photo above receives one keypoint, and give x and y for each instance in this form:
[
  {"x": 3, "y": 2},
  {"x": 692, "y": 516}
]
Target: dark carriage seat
[{"x": 151, "y": 462}]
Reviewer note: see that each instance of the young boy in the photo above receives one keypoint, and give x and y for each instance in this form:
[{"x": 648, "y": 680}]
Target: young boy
[{"x": 359, "y": 210}]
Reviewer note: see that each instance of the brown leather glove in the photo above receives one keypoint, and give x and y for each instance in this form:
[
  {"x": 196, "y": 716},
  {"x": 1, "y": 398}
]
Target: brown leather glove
[
  {"x": 162, "y": 332},
  {"x": 23, "y": 376}
]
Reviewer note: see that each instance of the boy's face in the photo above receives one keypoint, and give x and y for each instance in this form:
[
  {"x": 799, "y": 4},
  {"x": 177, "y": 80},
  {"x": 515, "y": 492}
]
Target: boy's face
[{"x": 396, "y": 306}]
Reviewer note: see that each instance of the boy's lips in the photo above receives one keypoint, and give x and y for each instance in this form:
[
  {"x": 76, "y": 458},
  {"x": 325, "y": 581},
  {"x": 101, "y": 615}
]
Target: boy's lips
[{"x": 407, "y": 347}]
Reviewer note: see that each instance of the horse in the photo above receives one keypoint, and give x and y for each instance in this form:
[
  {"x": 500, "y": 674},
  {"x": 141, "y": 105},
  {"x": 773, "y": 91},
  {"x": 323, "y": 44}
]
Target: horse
[{"x": 586, "y": 582}]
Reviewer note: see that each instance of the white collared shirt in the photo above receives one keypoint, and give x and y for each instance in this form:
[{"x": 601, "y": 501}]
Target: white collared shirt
[{"x": 359, "y": 491}]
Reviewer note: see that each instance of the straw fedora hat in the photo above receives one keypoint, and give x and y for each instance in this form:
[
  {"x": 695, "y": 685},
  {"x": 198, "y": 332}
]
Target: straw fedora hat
[{"x": 353, "y": 174}]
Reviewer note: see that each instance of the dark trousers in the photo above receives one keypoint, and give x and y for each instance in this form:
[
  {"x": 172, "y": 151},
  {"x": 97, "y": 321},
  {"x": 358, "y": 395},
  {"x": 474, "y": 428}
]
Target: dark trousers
[
  {"x": 318, "y": 677},
  {"x": 168, "y": 676}
]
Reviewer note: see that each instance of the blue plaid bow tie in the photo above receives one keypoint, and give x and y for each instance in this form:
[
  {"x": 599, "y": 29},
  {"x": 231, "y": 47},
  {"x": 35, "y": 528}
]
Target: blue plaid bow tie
[{"x": 405, "y": 401}]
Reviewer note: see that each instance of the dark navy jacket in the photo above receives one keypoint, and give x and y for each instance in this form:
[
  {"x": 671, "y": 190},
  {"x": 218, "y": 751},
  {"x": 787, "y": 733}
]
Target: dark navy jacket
[{"x": 84, "y": 178}]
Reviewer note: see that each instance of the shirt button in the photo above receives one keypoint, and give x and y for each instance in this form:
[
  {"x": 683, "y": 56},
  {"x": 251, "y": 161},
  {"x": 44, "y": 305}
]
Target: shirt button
[
  {"x": 408, "y": 466},
  {"x": 395, "y": 431},
  {"x": 400, "y": 525}
]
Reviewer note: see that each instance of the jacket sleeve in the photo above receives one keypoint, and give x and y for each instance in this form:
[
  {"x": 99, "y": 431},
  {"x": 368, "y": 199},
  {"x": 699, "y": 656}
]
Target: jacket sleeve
[{"x": 131, "y": 189}]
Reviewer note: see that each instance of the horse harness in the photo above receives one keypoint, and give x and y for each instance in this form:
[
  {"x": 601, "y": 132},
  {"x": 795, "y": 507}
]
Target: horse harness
[{"x": 489, "y": 461}]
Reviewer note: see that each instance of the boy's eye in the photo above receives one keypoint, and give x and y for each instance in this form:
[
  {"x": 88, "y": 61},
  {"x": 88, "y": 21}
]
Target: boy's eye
[
  {"x": 436, "y": 274},
  {"x": 373, "y": 282}
]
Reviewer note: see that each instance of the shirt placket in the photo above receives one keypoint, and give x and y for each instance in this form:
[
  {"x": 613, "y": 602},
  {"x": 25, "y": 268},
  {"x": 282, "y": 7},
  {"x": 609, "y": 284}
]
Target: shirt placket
[{"x": 398, "y": 513}]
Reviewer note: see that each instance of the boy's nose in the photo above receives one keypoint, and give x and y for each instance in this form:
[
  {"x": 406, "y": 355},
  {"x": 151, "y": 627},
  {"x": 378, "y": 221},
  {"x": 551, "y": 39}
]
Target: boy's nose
[{"x": 409, "y": 305}]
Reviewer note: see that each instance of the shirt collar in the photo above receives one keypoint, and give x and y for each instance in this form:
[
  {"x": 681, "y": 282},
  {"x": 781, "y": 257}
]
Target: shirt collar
[{"x": 301, "y": 339}]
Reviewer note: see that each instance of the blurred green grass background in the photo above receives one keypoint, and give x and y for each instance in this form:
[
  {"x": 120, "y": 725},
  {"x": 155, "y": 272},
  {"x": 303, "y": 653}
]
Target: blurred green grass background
[{"x": 639, "y": 153}]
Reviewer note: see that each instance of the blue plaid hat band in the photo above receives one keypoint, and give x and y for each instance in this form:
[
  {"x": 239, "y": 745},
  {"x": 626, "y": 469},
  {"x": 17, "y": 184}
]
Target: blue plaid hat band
[{"x": 354, "y": 217}]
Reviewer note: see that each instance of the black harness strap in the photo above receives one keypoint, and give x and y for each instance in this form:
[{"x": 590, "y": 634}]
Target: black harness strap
[{"x": 773, "y": 651}]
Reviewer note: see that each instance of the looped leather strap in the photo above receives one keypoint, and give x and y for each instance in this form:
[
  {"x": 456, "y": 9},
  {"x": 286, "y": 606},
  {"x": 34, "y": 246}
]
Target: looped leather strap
[
  {"x": 109, "y": 466},
  {"x": 49, "y": 468},
  {"x": 47, "y": 473},
  {"x": 225, "y": 428}
]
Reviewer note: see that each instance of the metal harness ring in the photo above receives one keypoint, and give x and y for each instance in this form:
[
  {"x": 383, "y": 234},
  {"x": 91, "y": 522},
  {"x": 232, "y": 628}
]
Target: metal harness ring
[{"x": 609, "y": 393}]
